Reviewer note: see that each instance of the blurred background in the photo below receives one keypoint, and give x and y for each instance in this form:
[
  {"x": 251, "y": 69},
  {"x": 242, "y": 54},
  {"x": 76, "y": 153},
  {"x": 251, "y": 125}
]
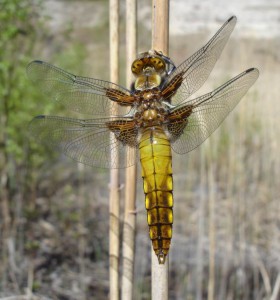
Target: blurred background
[{"x": 54, "y": 212}]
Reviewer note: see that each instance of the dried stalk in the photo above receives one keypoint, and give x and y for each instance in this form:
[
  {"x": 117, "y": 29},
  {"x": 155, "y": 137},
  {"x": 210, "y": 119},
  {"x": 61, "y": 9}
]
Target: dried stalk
[
  {"x": 130, "y": 184},
  {"x": 212, "y": 232},
  {"x": 114, "y": 173},
  {"x": 160, "y": 41}
]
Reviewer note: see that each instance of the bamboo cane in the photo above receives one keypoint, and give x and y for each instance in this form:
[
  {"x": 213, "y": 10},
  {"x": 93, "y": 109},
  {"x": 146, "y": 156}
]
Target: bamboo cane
[
  {"x": 160, "y": 41},
  {"x": 114, "y": 173},
  {"x": 130, "y": 185}
]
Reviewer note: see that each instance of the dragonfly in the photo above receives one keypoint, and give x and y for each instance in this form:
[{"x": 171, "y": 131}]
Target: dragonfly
[{"x": 156, "y": 116}]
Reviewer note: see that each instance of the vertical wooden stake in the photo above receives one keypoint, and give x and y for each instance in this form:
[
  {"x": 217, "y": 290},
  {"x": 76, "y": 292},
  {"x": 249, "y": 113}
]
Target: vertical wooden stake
[
  {"x": 130, "y": 184},
  {"x": 160, "y": 42},
  {"x": 159, "y": 278},
  {"x": 160, "y": 27},
  {"x": 114, "y": 173}
]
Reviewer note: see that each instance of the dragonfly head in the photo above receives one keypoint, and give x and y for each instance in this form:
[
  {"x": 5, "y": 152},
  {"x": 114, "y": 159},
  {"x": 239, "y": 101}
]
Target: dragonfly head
[
  {"x": 148, "y": 63},
  {"x": 148, "y": 69}
]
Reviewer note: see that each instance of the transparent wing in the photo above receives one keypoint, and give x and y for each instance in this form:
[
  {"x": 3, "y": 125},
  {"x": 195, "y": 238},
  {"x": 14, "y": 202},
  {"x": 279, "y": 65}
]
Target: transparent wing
[
  {"x": 80, "y": 94},
  {"x": 206, "y": 113},
  {"x": 87, "y": 141},
  {"x": 194, "y": 71}
]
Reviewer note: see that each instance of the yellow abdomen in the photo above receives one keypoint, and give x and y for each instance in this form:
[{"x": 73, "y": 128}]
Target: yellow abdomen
[{"x": 156, "y": 162}]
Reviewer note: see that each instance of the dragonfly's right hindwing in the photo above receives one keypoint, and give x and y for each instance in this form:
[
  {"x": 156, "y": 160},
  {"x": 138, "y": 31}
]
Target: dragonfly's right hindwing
[{"x": 90, "y": 142}]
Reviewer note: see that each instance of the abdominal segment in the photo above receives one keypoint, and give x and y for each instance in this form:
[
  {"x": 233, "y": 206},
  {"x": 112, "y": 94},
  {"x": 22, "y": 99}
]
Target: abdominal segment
[{"x": 155, "y": 157}]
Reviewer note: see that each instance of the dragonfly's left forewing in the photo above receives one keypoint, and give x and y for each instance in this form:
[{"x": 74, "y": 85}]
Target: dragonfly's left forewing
[
  {"x": 193, "y": 121},
  {"x": 90, "y": 142}
]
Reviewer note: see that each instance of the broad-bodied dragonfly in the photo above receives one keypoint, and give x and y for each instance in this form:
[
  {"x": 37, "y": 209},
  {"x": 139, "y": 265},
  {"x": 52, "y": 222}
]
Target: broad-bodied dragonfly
[{"x": 154, "y": 116}]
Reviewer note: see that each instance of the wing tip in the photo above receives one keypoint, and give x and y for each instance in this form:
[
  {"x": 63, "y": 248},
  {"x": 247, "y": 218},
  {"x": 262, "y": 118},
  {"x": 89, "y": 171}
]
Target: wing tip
[
  {"x": 254, "y": 72},
  {"x": 33, "y": 126},
  {"x": 252, "y": 69},
  {"x": 40, "y": 117},
  {"x": 36, "y": 61},
  {"x": 32, "y": 63},
  {"x": 232, "y": 18}
]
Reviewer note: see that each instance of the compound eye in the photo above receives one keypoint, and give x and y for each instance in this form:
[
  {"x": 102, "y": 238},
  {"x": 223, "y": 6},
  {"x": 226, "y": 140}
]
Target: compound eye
[
  {"x": 158, "y": 64},
  {"x": 137, "y": 67}
]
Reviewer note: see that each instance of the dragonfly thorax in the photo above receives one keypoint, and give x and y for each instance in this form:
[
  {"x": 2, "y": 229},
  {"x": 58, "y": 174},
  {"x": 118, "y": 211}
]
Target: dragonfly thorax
[
  {"x": 150, "y": 110},
  {"x": 150, "y": 115}
]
